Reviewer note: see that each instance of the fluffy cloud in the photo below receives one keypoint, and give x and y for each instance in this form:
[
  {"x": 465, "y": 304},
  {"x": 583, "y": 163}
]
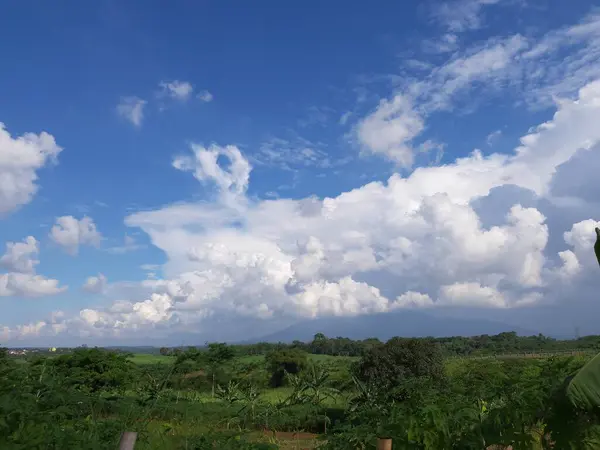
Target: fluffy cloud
[
  {"x": 21, "y": 256},
  {"x": 20, "y": 260},
  {"x": 412, "y": 242},
  {"x": 20, "y": 159},
  {"x": 417, "y": 241},
  {"x": 28, "y": 285},
  {"x": 390, "y": 129},
  {"x": 70, "y": 233},
  {"x": 95, "y": 285},
  {"x": 132, "y": 109},
  {"x": 179, "y": 90},
  {"x": 203, "y": 164}
]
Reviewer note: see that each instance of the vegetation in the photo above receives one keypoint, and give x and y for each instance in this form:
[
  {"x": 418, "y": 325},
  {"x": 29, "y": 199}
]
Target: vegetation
[{"x": 220, "y": 396}]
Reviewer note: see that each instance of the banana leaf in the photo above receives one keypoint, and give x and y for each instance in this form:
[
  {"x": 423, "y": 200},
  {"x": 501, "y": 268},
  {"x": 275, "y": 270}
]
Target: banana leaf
[
  {"x": 597, "y": 245},
  {"x": 583, "y": 391}
]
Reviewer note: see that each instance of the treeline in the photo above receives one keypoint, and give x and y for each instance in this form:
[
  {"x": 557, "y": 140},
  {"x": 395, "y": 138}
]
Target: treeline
[{"x": 483, "y": 345}]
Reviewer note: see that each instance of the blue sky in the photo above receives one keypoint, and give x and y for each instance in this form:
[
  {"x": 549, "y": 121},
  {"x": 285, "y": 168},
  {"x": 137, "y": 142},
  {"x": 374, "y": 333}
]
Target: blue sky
[{"x": 319, "y": 99}]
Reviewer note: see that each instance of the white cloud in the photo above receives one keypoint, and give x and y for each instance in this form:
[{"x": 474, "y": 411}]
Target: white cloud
[
  {"x": 16, "y": 284},
  {"x": 232, "y": 182},
  {"x": 390, "y": 129},
  {"x": 132, "y": 109},
  {"x": 28, "y": 285},
  {"x": 493, "y": 137},
  {"x": 343, "y": 298},
  {"x": 177, "y": 90},
  {"x": 471, "y": 294},
  {"x": 414, "y": 241},
  {"x": 412, "y": 299},
  {"x": 20, "y": 159},
  {"x": 461, "y": 15},
  {"x": 95, "y": 285},
  {"x": 20, "y": 260},
  {"x": 205, "y": 96},
  {"x": 535, "y": 68},
  {"x": 70, "y": 233},
  {"x": 581, "y": 238},
  {"x": 21, "y": 256}
]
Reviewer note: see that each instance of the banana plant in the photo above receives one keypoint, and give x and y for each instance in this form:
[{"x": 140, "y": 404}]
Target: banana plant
[
  {"x": 583, "y": 390},
  {"x": 597, "y": 245}
]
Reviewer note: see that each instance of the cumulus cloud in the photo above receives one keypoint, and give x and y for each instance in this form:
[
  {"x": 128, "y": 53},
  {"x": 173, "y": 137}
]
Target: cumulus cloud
[
  {"x": 71, "y": 233},
  {"x": 96, "y": 284},
  {"x": 418, "y": 236},
  {"x": 21, "y": 280},
  {"x": 20, "y": 159},
  {"x": 21, "y": 256},
  {"x": 178, "y": 90},
  {"x": 28, "y": 285},
  {"x": 415, "y": 241}
]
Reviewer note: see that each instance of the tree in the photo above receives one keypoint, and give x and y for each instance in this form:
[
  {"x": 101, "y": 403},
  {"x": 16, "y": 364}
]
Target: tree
[
  {"x": 94, "y": 369},
  {"x": 217, "y": 354},
  {"x": 290, "y": 360},
  {"x": 388, "y": 365},
  {"x": 319, "y": 344},
  {"x": 165, "y": 351}
]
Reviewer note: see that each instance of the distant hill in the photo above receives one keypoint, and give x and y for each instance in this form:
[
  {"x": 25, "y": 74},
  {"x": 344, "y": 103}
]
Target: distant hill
[{"x": 387, "y": 325}]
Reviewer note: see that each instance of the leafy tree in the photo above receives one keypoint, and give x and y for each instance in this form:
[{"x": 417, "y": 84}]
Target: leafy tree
[
  {"x": 94, "y": 369},
  {"x": 165, "y": 351},
  {"x": 280, "y": 362},
  {"x": 216, "y": 355},
  {"x": 388, "y": 365}
]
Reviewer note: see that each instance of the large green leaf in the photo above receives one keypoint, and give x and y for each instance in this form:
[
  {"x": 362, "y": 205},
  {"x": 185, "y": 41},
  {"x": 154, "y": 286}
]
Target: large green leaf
[
  {"x": 583, "y": 391},
  {"x": 597, "y": 245}
]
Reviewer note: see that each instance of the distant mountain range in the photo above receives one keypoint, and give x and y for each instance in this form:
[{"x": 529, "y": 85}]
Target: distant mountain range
[{"x": 387, "y": 325}]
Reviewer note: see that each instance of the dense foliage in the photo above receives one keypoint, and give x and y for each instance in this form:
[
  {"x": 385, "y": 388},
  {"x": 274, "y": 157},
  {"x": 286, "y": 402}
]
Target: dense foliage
[
  {"x": 220, "y": 397},
  {"x": 503, "y": 343}
]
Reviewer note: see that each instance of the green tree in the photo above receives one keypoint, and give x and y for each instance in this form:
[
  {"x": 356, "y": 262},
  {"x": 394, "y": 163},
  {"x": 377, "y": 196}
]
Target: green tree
[
  {"x": 94, "y": 369},
  {"x": 280, "y": 362},
  {"x": 218, "y": 353},
  {"x": 387, "y": 366}
]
